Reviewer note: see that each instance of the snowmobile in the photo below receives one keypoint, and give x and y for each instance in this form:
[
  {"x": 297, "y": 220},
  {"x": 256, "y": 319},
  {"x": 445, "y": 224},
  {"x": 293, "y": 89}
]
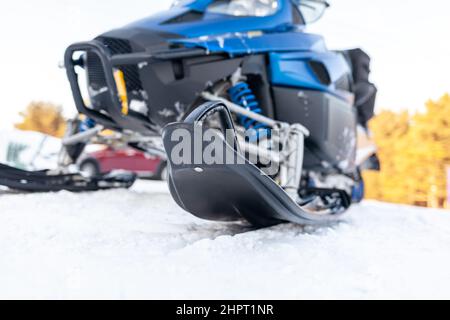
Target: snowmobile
[
  {"x": 21, "y": 171},
  {"x": 269, "y": 96}
]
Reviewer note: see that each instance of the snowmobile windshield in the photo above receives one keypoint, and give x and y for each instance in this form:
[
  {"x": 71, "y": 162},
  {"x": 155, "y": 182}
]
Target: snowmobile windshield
[
  {"x": 239, "y": 8},
  {"x": 311, "y": 10},
  {"x": 246, "y": 8}
]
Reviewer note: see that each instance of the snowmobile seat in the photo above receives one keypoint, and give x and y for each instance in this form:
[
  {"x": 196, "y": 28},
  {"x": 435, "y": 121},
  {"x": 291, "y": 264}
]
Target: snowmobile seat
[{"x": 228, "y": 192}]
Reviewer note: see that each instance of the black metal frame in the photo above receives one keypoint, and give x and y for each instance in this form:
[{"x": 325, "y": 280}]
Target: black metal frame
[{"x": 115, "y": 119}]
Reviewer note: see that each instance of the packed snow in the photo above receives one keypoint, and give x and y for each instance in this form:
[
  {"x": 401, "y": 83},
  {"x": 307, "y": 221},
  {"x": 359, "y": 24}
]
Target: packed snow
[{"x": 137, "y": 244}]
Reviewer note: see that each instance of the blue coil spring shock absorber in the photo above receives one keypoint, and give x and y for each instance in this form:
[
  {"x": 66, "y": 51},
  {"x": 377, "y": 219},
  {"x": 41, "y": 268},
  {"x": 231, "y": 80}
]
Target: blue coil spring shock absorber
[{"x": 242, "y": 95}]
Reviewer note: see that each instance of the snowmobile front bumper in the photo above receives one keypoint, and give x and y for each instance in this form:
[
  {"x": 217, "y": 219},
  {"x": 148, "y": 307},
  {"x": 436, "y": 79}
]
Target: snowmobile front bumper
[
  {"x": 111, "y": 113},
  {"x": 229, "y": 191},
  {"x": 111, "y": 116}
]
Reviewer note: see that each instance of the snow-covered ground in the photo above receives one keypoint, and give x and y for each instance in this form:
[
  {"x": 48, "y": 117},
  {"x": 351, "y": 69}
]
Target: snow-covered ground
[{"x": 138, "y": 244}]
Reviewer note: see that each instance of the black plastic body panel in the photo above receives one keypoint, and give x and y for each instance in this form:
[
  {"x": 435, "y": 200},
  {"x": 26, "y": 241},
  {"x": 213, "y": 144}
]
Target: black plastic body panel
[
  {"x": 331, "y": 122},
  {"x": 141, "y": 39},
  {"x": 173, "y": 85}
]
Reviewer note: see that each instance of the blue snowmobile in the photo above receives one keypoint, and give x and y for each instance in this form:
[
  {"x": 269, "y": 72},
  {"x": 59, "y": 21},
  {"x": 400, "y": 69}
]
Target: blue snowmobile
[{"x": 247, "y": 76}]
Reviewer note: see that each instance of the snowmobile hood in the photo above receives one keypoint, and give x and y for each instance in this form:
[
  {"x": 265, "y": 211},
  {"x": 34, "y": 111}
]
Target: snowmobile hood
[
  {"x": 236, "y": 44},
  {"x": 191, "y": 25},
  {"x": 194, "y": 20}
]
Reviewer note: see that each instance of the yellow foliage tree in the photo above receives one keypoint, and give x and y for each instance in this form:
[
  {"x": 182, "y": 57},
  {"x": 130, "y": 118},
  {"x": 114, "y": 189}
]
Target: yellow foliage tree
[
  {"x": 414, "y": 152},
  {"x": 389, "y": 130},
  {"x": 43, "y": 117}
]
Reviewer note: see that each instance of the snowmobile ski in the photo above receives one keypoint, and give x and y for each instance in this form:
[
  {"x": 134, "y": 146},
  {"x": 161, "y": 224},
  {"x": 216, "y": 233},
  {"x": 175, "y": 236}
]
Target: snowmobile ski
[
  {"x": 45, "y": 181},
  {"x": 232, "y": 192}
]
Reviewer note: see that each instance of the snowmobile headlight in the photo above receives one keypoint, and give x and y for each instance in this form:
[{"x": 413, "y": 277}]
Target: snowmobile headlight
[{"x": 122, "y": 90}]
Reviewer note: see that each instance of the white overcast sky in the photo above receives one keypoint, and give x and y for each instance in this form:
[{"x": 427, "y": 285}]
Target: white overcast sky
[{"x": 407, "y": 39}]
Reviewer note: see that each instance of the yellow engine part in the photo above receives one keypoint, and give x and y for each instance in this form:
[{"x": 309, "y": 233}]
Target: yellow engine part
[
  {"x": 122, "y": 90},
  {"x": 107, "y": 133}
]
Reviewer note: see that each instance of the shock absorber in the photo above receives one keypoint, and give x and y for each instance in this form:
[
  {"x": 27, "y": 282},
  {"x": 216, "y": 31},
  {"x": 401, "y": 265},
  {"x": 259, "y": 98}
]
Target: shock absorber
[{"x": 241, "y": 94}]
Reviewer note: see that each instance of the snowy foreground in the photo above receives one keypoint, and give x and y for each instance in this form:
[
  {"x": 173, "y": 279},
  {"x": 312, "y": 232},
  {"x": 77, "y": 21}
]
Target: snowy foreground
[{"x": 139, "y": 244}]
